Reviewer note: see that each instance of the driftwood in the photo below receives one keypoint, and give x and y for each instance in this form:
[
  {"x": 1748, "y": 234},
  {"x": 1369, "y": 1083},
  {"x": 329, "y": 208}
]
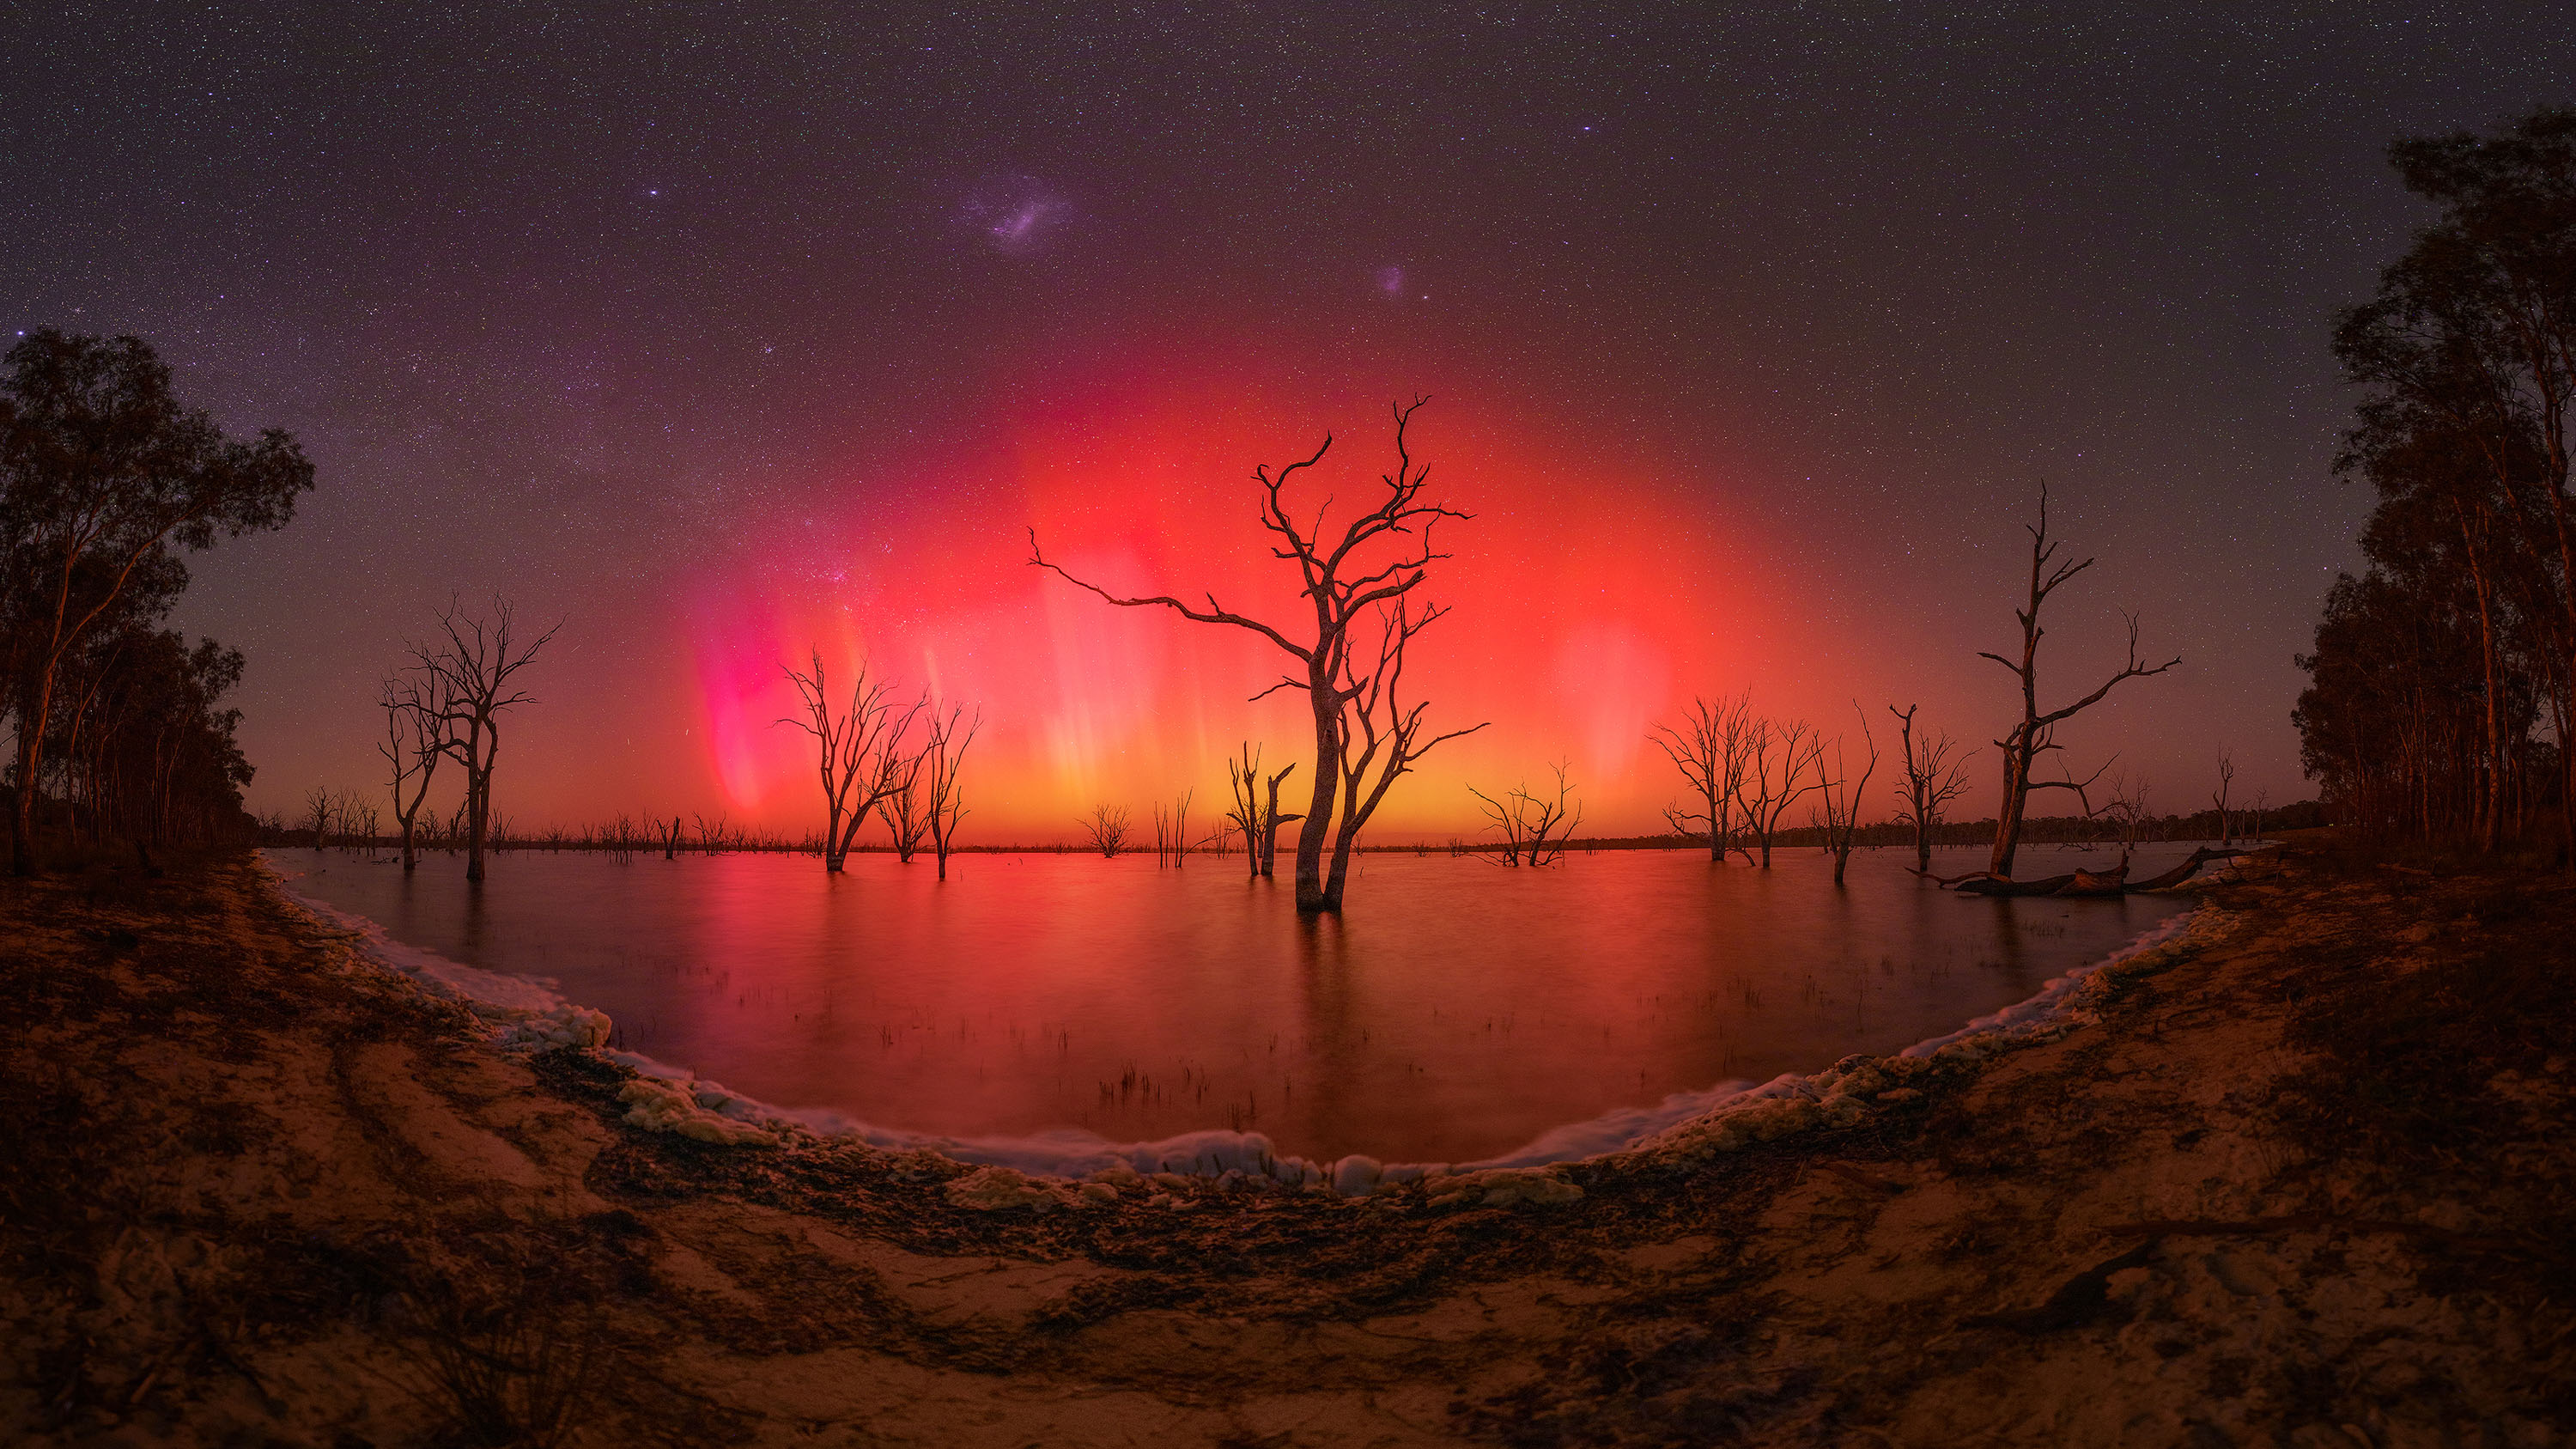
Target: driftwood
[
  {"x": 1987, "y": 883},
  {"x": 2082, "y": 883}
]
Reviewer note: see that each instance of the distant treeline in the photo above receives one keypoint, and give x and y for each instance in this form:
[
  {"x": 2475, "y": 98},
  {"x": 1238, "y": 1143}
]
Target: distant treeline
[
  {"x": 2444, "y": 679},
  {"x": 344, "y": 821},
  {"x": 2240, "y": 824}
]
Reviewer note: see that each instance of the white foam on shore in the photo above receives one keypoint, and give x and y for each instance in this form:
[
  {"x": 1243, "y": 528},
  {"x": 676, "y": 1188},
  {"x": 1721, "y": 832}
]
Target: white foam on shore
[
  {"x": 2050, "y": 1001},
  {"x": 525, "y": 1013}
]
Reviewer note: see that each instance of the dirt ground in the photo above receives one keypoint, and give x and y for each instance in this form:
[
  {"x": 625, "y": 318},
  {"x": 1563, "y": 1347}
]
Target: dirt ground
[{"x": 2306, "y": 1183}]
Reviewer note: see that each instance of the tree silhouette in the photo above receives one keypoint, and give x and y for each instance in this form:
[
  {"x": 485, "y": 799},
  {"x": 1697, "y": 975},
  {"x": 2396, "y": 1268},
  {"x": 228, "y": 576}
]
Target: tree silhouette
[
  {"x": 2467, "y": 358},
  {"x": 104, "y": 477},
  {"x": 1935, "y": 774},
  {"x": 945, "y": 766},
  {"x": 416, "y": 709},
  {"x": 1798, "y": 751},
  {"x": 475, "y": 664},
  {"x": 2034, "y": 735},
  {"x": 1842, "y": 796},
  {"x": 859, "y": 754},
  {"x": 1534, "y": 827},
  {"x": 1106, "y": 829},
  {"x": 1365, "y": 738},
  {"x": 1710, "y": 751}
]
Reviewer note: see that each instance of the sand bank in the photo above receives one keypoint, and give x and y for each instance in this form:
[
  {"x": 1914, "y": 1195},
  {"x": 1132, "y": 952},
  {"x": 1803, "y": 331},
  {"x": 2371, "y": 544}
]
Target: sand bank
[{"x": 266, "y": 1190}]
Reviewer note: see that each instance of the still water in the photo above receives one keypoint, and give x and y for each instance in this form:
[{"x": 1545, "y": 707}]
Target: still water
[{"x": 1456, "y": 1010}]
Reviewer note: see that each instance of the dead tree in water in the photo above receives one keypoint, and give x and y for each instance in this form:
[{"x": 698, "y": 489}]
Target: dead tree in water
[
  {"x": 1765, "y": 801},
  {"x": 1533, "y": 826},
  {"x": 2218, "y": 797},
  {"x": 474, "y": 668},
  {"x": 1843, "y": 797},
  {"x": 414, "y": 743},
  {"x": 319, "y": 806},
  {"x": 1259, "y": 818},
  {"x": 671, "y": 839},
  {"x": 1373, "y": 707},
  {"x": 1710, "y": 753},
  {"x": 1330, "y": 668},
  {"x": 1172, "y": 832},
  {"x": 2127, "y": 807},
  {"x": 906, "y": 811},
  {"x": 1106, "y": 829},
  {"x": 947, "y": 761},
  {"x": 1935, "y": 774},
  {"x": 1271, "y": 820},
  {"x": 2031, "y": 738},
  {"x": 859, "y": 751},
  {"x": 1243, "y": 777}
]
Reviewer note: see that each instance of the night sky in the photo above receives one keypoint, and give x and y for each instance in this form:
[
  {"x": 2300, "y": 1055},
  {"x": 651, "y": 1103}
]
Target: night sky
[{"x": 716, "y": 330}]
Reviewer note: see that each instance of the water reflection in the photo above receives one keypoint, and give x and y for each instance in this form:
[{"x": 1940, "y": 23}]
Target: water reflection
[{"x": 1456, "y": 1010}]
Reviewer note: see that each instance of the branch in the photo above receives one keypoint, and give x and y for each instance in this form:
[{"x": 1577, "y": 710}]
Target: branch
[
  {"x": 2134, "y": 670},
  {"x": 1037, "y": 559}
]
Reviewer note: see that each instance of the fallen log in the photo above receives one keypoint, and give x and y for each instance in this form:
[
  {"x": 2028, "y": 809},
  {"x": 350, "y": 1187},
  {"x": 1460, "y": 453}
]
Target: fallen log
[
  {"x": 2186, "y": 870},
  {"x": 2085, "y": 884},
  {"x": 2099, "y": 882},
  {"x": 1987, "y": 883}
]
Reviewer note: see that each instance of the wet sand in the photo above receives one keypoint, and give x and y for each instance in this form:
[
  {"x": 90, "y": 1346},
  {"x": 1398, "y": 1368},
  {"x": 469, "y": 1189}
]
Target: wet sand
[{"x": 2303, "y": 1181}]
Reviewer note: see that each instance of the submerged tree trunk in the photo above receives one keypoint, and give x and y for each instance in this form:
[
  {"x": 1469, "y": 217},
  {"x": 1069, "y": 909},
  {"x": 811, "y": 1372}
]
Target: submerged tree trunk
[{"x": 1314, "y": 892}]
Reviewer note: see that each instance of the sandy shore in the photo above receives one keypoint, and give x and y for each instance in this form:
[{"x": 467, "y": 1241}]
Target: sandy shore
[{"x": 2303, "y": 1182}]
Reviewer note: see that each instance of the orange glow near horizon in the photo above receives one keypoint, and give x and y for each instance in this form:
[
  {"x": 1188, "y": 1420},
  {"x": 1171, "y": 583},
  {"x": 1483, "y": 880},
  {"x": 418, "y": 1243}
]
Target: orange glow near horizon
[{"x": 1589, "y": 598}]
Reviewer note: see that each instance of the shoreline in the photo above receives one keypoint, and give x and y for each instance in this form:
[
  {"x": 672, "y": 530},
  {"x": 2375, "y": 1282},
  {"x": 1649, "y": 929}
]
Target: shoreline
[
  {"x": 263, "y": 1192},
  {"x": 530, "y": 1015}
]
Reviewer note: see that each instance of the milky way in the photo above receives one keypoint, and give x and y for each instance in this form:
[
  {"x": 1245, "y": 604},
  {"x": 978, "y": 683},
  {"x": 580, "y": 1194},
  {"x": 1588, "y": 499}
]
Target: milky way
[{"x": 718, "y": 332}]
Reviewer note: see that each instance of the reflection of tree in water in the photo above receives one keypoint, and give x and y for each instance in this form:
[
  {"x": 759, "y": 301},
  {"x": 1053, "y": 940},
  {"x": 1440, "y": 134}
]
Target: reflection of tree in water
[
  {"x": 477, "y": 919},
  {"x": 1335, "y": 1051}
]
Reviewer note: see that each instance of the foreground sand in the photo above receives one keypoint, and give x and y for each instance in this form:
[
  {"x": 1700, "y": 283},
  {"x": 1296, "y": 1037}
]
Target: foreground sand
[{"x": 2306, "y": 1185}]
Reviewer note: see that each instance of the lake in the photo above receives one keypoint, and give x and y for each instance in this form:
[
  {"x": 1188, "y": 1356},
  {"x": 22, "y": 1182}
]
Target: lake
[{"x": 1457, "y": 1010}]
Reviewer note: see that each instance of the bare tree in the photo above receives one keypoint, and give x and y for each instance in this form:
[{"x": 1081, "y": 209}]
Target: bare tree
[
  {"x": 2262, "y": 799},
  {"x": 1935, "y": 774},
  {"x": 1257, "y": 816},
  {"x": 2128, "y": 807},
  {"x": 2033, "y": 737},
  {"x": 1798, "y": 752},
  {"x": 670, "y": 838},
  {"x": 906, "y": 810},
  {"x": 946, "y": 765},
  {"x": 1374, "y": 708},
  {"x": 1842, "y": 796},
  {"x": 1172, "y": 832},
  {"x": 415, "y": 741},
  {"x": 1106, "y": 829},
  {"x": 1271, "y": 820},
  {"x": 2218, "y": 797},
  {"x": 859, "y": 754},
  {"x": 1243, "y": 777},
  {"x": 1341, "y": 685},
  {"x": 1534, "y": 827},
  {"x": 1710, "y": 752},
  {"x": 319, "y": 806},
  {"x": 474, "y": 668}
]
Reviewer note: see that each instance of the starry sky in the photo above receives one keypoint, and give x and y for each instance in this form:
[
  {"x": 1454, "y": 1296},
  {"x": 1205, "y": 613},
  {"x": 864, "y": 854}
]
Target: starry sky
[{"x": 722, "y": 331}]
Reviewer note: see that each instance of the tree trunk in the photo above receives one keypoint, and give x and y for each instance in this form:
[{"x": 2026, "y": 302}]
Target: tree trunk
[
  {"x": 2008, "y": 814},
  {"x": 474, "y": 808},
  {"x": 1314, "y": 893},
  {"x": 22, "y": 811}
]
